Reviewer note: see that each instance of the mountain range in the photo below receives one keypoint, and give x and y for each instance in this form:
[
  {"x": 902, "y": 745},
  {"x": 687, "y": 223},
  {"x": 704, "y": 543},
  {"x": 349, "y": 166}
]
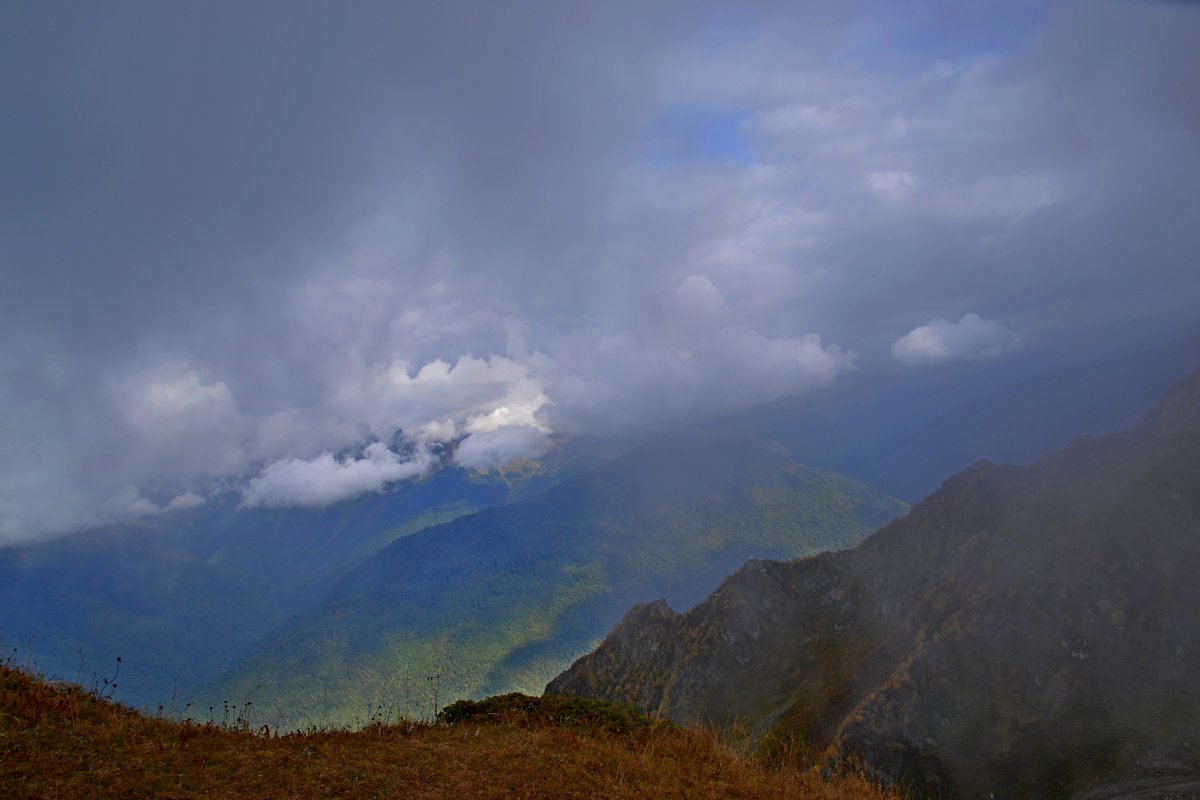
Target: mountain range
[
  {"x": 181, "y": 597},
  {"x": 1021, "y": 632},
  {"x": 504, "y": 599},
  {"x": 462, "y": 582}
]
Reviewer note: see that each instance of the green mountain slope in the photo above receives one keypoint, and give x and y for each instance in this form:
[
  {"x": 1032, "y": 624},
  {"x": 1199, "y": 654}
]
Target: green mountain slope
[
  {"x": 183, "y": 596},
  {"x": 1022, "y": 632},
  {"x": 504, "y": 599}
]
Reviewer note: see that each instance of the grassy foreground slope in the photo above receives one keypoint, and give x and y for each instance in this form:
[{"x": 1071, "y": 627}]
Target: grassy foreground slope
[
  {"x": 63, "y": 742},
  {"x": 504, "y": 600}
]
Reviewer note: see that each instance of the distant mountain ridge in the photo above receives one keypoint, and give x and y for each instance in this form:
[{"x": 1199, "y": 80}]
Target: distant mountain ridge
[
  {"x": 182, "y": 596},
  {"x": 187, "y": 594},
  {"x": 1023, "y": 632},
  {"x": 504, "y": 599}
]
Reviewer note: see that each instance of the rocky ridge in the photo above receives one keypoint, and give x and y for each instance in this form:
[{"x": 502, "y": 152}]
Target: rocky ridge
[{"x": 1023, "y": 631}]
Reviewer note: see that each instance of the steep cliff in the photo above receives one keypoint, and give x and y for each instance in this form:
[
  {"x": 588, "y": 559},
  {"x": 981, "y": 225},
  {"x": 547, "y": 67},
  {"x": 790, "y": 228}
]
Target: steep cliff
[{"x": 1024, "y": 631}]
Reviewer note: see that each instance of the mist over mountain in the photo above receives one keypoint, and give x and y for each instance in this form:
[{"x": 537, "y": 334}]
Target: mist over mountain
[
  {"x": 1023, "y": 631},
  {"x": 184, "y": 595},
  {"x": 904, "y": 435},
  {"x": 504, "y": 599}
]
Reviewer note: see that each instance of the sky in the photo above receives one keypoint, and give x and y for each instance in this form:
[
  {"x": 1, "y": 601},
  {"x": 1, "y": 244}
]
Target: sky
[{"x": 304, "y": 251}]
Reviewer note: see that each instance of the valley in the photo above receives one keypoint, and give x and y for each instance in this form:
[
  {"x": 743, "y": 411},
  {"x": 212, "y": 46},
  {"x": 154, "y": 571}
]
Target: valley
[{"x": 503, "y": 600}]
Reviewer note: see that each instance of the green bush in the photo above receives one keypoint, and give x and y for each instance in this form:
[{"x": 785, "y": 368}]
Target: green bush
[{"x": 549, "y": 710}]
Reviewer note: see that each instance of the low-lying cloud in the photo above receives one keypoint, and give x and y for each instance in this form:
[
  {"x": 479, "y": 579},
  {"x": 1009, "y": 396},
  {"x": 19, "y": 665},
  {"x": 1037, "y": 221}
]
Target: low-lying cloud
[
  {"x": 138, "y": 506},
  {"x": 972, "y": 338},
  {"x": 324, "y": 480},
  {"x": 500, "y": 446}
]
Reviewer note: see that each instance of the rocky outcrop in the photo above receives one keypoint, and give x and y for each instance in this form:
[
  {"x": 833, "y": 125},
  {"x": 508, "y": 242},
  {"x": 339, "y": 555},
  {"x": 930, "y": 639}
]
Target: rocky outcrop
[{"x": 1023, "y": 632}]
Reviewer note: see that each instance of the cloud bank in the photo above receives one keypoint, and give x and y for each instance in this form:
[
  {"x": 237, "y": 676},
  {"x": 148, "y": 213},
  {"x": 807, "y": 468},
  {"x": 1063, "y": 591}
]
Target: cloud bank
[{"x": 231, "y": 248}]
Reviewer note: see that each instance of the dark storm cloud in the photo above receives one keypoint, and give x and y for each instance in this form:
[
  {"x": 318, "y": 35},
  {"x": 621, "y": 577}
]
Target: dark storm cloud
[{"x": 237, "y": 238}]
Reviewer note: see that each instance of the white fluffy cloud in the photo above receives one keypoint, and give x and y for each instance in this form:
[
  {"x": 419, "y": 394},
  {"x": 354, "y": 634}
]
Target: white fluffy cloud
[
  {"x": 471, "y": 393},
  {"x": 500, "y": 446},
  {"x": 972, "y": 338},
  {"x": 324, "y": 480}
]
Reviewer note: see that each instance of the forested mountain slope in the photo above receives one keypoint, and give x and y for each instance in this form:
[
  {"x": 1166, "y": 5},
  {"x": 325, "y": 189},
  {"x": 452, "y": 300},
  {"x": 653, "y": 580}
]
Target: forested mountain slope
[
  {"x": 504, "y": 599},
  {"x": 183, "y": 595}
]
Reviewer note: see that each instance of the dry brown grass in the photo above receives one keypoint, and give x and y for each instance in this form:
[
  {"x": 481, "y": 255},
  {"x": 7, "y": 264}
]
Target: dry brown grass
[{"x": 66, "y": 743}]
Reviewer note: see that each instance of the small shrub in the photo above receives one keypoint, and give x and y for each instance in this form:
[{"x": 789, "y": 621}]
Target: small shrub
[{"x": 549, "y": 710}]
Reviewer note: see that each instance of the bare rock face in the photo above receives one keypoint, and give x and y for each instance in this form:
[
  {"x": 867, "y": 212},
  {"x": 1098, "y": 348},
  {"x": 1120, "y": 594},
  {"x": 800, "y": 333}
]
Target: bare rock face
[{"x": 1023, "y": 632}]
